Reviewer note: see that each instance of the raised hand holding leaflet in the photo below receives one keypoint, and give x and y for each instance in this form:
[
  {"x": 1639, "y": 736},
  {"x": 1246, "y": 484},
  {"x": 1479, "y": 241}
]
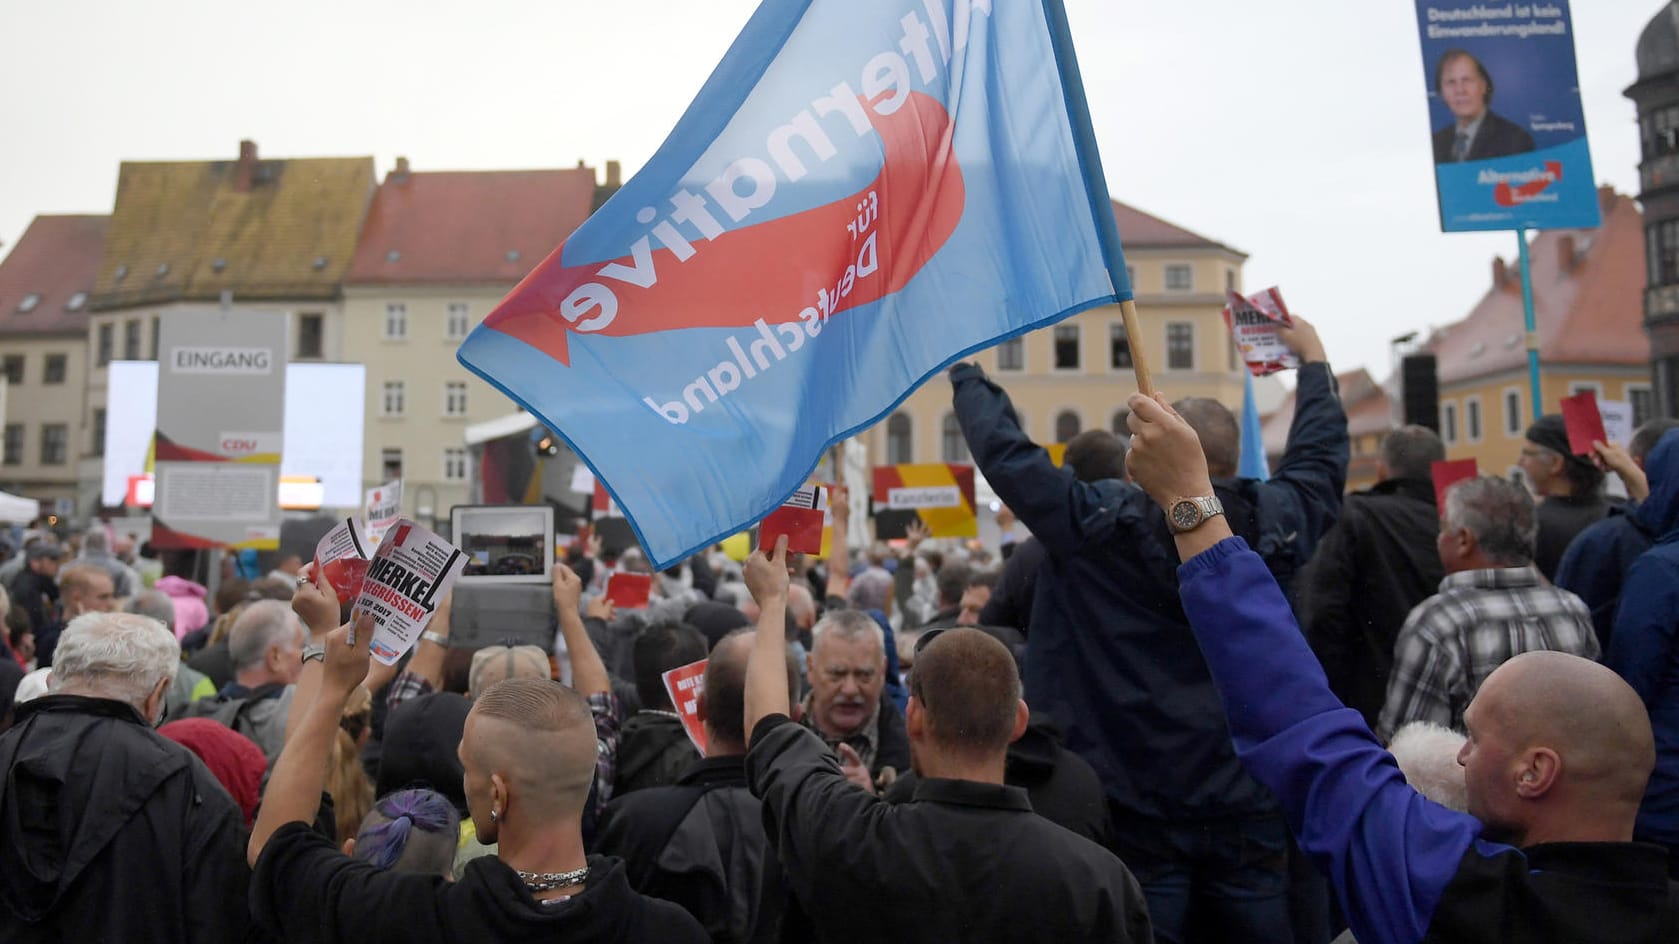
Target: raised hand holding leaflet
[{"x": 406, "y": 580}]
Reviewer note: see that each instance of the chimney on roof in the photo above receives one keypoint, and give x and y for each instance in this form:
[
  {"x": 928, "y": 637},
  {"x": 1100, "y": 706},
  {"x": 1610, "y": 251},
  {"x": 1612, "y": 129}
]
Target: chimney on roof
[
  {"x": 1565, "y": 254},
  {"x": 1500, "y": 273},
  {"x": 400, "y": 175},
  {"x": 614, "y": 174},
  {"x": 245, "y": 171}
]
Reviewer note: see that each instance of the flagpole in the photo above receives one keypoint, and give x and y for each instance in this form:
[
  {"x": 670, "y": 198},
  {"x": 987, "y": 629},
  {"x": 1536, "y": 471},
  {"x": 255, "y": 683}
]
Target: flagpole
[
  {"x": 1139, "y": 360},
  {"x": 1096, "y": 184},
  {"x": 1532, "y": 331}
]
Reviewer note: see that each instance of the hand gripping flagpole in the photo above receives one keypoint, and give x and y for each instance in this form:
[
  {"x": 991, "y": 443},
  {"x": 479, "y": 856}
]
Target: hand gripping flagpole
[{"x": 1096, "y": 185}]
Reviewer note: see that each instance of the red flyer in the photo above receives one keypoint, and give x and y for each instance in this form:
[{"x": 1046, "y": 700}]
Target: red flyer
[
  {"x": 629, "y": 591},
  {"x": 683, "y": 686},
  {"x": 1584, "y": 422},
  {"x": 1448, "y": 473},
  {"x": 1253, "y": 323},
  {"x": 800, "y": 518}
]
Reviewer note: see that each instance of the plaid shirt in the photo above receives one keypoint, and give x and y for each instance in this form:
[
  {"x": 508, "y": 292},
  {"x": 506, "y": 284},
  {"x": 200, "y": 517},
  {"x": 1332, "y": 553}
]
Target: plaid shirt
[
  {"x": 1479, "y": 620},
  {"x": 607, "y": 711}
]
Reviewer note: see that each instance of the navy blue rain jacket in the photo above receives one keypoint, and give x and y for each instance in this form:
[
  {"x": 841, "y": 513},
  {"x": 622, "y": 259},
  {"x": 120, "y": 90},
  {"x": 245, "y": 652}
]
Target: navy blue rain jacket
[{"x": 1110, "y": 656}]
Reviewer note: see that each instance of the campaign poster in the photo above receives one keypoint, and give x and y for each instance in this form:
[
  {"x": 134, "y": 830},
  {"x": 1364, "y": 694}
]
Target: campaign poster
[
  {"x": 1508, "y": 132},
  {"x": 384, "y": 507},
  {"x": 940, "y": 495},
  {"x": 221, "y": 407}
]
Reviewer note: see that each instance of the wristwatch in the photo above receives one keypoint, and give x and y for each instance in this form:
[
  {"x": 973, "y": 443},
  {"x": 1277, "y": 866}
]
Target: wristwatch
[
  {"x": 314, "y": 651},
  {"x": 1187, "y": 514}
]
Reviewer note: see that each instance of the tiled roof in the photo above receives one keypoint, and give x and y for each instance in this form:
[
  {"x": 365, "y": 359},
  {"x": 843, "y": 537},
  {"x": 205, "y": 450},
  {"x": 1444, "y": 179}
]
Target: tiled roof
[
  {"x": 1588, "y": 312},
  {"x": 469, "y": 226},
  {"x": 54, "y": 263},
  {"x": 190, "y": 229},
  {"x": 1139, "y": 230},
  {"x": 1366, "y": 403}
]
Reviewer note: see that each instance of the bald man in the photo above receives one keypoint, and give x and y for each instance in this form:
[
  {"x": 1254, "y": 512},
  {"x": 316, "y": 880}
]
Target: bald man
[
  {"x": 529, "y": 752},
  {"x": 1555, "y": 764}
]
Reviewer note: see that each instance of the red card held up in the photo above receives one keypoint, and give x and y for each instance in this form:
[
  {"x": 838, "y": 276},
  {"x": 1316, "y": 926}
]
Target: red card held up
[
  {"x": 683, "y": 685},
  {"x": 1448, "y": 473},
  {"x": 1584, "y": 422},
  {"x": 629, "y": 591},
  {"x": 800, "y": 518}
]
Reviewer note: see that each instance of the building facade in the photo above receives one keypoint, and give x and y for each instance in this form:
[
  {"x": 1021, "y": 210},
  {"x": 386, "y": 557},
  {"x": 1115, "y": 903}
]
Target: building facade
[
  {"x": 1077, "y": 374},
  {"x": 1369, "y": 417},
  {"x": 1589, "y": 309},
  {"x": 439, "y": 250},
  {"x": 45, "y": 283},
  {"x": 1657, "y": 95}
]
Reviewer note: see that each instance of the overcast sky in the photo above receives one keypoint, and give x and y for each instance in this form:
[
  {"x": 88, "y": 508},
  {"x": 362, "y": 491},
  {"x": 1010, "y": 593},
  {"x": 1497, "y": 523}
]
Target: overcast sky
[{"x": 1295, "y": 131}]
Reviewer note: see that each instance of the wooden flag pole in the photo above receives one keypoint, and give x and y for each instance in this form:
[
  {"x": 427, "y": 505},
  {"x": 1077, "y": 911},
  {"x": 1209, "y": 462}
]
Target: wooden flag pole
[{"x": 1134, "y": 337}]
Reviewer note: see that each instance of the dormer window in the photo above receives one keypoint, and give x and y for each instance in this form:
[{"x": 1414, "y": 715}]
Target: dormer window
[
  {"x": 29, "y": 303},
  {"x": 76, "y": 302}
]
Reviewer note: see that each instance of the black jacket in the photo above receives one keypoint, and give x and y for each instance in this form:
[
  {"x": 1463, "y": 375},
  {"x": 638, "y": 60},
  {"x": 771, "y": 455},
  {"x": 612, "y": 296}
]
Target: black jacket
[
  {"x": 964, "y": 861},
  {"x": 701, "y": 844},
  {"x": 1561, "y": 518},
  {"x": 1062, "y": 786},
  {"x": 1110, "y": 655},
  {"x": 1011, "y": 599},
  {"x": 1378, "y": 562},
  {"x": 653, "y": 751},
  {"x": 309, "y": 891},
  {"x": 1497, "y": 137},
  {"x": 110, "y": 832}
]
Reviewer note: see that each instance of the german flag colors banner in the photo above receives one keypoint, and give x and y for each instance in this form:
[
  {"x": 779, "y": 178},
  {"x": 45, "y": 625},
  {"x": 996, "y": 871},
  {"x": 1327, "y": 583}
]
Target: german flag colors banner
[{"x": 940, "y": 495}]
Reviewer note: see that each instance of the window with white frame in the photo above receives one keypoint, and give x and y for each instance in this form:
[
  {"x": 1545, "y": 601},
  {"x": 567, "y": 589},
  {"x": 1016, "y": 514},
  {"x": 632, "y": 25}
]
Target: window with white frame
[
  {"x": 1066, "y": 347},
  {"x": 1180, "y": 277},
  {"x": 1011, "y": 354},
  {"x": 899, "y": 440},
  {"x": 1513, "y": 412},
  {"x": 14, "y": 445},
  {"x": 131, "y": 339},
  {"x": 454, "y": 465},
  {"x": 458, "y": 322},
  {"x": 107, "y": 342},
  {"x": 954, "y": 446},
  {"x": 396, "y": 321},
  {"x": 1119, "y": 347},
  {"x": 396, "y": 395},
  {"x": 1448, "y": 423},
  {"x": 1643, "y": 403},
  {"x": 454, "y": 398},
  {"x": 55, "y": 443},
  {"x": 390, "y": 464},
  {"x": 1180, "y": 346},
  {"x": 1472, "y": 418},
  {"x": 1581, "y": 386}
]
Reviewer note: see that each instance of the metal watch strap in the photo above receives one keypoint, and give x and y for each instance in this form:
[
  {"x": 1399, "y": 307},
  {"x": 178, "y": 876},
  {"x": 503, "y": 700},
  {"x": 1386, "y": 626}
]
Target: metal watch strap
[
  {"x": 315, "y": 652},
  {"x": 437, "y": 638}
]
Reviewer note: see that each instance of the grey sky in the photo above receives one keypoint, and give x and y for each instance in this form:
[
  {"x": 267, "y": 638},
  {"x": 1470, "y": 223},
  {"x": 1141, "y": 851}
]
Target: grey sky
[{"x": 1296, "y": 131}]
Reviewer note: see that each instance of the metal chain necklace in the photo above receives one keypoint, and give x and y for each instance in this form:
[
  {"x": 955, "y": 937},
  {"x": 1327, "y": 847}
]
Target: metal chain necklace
[{"x": 548, "y": 881}]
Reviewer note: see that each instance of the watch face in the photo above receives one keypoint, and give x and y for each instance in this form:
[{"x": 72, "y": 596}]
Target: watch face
[{"x": 1185, "y": 515}]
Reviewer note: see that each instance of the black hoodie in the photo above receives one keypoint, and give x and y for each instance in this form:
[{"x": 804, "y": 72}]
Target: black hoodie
[
  {"x": 310, "y": 891},
  {"x": 110, "y": 832}
]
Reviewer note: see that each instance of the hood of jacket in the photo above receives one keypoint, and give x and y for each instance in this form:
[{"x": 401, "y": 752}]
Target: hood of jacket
[
  {"x": 181, "y": 587},
  {"x": 1032, "y": 759},
  {"x": 1659, "y": 514},
  {"x": 75, "y": 771},
  {"x": 644, "y": 741}
]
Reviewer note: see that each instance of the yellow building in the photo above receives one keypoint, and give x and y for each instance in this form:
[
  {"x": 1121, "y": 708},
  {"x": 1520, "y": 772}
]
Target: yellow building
[
  {"x": 1369, "y": 417},
  {"x": 44, "y": 286},
  {"x": 1588, "y": 305},
  {"x": 1076, "y": 375}
]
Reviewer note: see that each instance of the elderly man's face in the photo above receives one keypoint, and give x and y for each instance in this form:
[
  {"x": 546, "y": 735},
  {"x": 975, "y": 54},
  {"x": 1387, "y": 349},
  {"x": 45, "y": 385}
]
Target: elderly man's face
[
  {"x": 1463, "y": 89},
  {"x": 846, "y": 679}
]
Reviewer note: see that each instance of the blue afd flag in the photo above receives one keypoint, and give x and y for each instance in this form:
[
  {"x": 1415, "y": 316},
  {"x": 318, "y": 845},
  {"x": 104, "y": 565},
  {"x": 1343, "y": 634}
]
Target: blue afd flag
[
  {"x": 863, "y": 191},
  {"x": 1252, "y": 462}
]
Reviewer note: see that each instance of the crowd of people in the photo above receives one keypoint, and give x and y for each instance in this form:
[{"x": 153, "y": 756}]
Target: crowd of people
[{"x": 1176, "y": 705}]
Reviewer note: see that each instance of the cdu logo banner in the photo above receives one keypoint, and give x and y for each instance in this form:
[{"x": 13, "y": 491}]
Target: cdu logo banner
[{"x": 863, "y": 192}]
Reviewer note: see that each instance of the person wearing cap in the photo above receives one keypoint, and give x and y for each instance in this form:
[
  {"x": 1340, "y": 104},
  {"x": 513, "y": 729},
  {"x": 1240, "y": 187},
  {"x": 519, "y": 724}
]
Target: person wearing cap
[
  {"x": 35, "y": 588},
  {"x": 1570, "y": 490},
  {"x": 495, "y": 664}
]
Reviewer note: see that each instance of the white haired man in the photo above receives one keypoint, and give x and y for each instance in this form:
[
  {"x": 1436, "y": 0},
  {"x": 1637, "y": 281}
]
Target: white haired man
[
  {"x": 266, "y": 644},
  {"x": 107, "y": 830}
]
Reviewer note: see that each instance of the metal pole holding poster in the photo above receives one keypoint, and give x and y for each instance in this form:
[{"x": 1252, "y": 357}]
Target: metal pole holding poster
[{"x": 1532, "y": 329}]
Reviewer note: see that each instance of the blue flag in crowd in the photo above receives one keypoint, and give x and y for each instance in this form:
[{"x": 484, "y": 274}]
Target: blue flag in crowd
[
  {"x": 863, "y": 192},
  {"x": 1252, "y": 462}
]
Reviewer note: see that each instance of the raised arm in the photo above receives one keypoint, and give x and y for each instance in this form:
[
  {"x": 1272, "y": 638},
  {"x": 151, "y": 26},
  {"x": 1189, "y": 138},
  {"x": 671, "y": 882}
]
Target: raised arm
[
  {"x": 1060, "y": 510},
  {"x": 1388, "y": 852},
  {"x": 316, "y": 605},
  {"x": 588, "y": 672},
  {"x": 1314, "y": 462},
  {"x": 766, "y": 668},
  {"x": 839, "y": 546},
  {"x": 299, "y": 774}
]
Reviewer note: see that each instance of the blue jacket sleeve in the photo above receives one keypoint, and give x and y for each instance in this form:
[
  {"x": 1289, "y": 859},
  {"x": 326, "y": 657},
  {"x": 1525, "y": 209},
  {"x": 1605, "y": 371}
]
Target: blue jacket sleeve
[
  {"x": 1061, "y": 511},
  {"x": 1311, "y": 478},
  {"x": 1388, "y": 851},
  {"x": 1641, "y": 647}
]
